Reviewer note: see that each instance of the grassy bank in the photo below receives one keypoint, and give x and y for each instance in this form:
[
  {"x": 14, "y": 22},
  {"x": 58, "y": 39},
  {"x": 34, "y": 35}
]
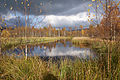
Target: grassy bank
[
  {"x": 85, "y": 40},
  {"x": 36, "y": 69},
  {"x": 108, "y": 52},
  {"x": 98, "y": 45},
  {"x": 12, "y": 42}
]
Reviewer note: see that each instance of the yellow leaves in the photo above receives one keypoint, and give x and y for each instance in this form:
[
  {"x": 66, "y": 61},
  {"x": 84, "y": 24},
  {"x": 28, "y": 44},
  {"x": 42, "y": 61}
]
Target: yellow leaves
[
  {"x": 82, "y": 32},
  {"x": 97, "y": 5},
  {"x": 28, "y": 5},
  {"x": 108, "y": 6},
  {"x": 88, "y": 10},
  {"x": 15, "y": 33},
  {"x": 90, "y": 5},
  {"x": 88, "y": 13},
  {"x": 88, "y": 20},
  {"x": 118, "y": 3},
  {"x": 17, "y": 7},
  {"x": 5, "y": 24},
  {"x": 101, "y": 14},
  {"x": 93, "y": 15},
  {"x": 5, "y": 33},
  {"x": 93, "y": 0},
  {"x": 104, "y": 7},
  {"x": 15, "y": 25},
  {"x": 91, "y": 20},
  {"x": 21, "y": 2},
  {"x": 1, "y": 27},
  {"x": 11, "y": 8},
  {"x": 3, "y": 20}
]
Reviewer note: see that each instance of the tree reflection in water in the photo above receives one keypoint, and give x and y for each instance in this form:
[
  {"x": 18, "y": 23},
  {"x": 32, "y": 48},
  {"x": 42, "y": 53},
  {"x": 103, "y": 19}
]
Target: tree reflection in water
[{"x": 53, "y": 49}]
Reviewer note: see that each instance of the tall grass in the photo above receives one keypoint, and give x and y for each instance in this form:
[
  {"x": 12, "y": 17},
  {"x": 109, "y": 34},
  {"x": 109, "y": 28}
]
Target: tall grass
[
  {"x": 108, "y": 53},
  {"x": 34, "y": 68}
]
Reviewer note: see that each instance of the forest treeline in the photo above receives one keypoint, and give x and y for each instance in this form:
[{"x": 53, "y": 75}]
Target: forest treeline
[
  {"x": 108, "y": 28},
  {"x": 43, "y": 32},
  {"x": 99, "y": 31}
]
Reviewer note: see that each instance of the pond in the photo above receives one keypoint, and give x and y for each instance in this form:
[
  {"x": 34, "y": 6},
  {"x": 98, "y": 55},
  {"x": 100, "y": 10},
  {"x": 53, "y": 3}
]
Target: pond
[{"x": 60, "y": 48}]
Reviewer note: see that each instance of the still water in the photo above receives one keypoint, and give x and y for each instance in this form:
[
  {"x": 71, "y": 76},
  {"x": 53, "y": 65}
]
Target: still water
[{"x": 60, "y": 48}]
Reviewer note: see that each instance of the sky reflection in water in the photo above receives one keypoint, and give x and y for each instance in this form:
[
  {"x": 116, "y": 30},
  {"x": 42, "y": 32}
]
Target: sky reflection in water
[{"x": 55, "y": 49}]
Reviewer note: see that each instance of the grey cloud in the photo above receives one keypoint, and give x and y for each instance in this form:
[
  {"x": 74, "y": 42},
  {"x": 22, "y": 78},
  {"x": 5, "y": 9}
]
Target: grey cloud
[
  {"x": 77, "y": 9},
  {"x": 49, "y": 6},
  {"x": 13, "y": 22}
]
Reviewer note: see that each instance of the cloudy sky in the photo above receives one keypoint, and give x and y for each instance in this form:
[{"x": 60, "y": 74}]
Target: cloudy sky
[{"x": 58, "y": 13}]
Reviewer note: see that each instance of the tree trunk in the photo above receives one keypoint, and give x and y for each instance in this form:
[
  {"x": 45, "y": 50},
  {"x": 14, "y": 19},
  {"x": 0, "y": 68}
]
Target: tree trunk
[{"x": 0, "y": 42}]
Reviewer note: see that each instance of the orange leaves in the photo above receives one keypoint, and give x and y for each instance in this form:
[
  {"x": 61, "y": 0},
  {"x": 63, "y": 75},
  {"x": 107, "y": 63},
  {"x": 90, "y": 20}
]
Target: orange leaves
[
  {"x": 102, "y": 15},
  {"x": 5, "y": 33},
  {"x": 40, "y": 10},
  {"x": 93, "y": 15},
  {"x": 81, "y": 26},
  {"x": 108, "y": 6},
  {"x": 89, "y": 16}
]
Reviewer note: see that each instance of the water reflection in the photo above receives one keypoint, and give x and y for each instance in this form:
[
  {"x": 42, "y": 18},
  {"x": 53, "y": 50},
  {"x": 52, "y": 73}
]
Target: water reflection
[{"x": 54, "y": 49}]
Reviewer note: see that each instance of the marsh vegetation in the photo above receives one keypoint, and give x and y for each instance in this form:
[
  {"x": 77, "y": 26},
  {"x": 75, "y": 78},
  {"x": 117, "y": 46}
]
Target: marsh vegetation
[{"x": 31, "y": 51}]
